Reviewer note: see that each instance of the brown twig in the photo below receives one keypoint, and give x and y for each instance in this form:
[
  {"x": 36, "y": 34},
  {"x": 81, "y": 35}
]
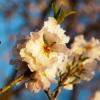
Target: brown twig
[{"x": 11, "y": 84}]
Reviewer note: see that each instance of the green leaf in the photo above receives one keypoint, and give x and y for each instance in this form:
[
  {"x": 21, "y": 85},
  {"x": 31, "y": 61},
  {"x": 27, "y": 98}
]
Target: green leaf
[
  {"x": 74, "y": 81},
  {"x": 69, "y": 13},
  {"x": 85, "y": 58},
  {"x": 63, "y": 15},
  {"x": 55, "y": 7},
  {"x": 76, "y": 76},
  {"x": 59, "y": 12}
]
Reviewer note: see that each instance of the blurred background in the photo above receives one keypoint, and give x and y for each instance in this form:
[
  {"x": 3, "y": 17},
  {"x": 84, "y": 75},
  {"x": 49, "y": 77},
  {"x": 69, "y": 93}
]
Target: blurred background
[{"x": 19, "y": 17}]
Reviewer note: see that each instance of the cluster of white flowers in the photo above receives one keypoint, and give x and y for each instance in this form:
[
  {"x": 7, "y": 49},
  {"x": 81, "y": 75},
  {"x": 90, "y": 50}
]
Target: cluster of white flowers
[
  {"x": 47, "y": 55},
  {"x": 90, "y": 48},
  {"x": 44, "y": 53}
]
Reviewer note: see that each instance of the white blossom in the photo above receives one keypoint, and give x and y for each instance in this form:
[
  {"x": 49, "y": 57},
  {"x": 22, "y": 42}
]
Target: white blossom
[
  {"x": 44, "y": 53},
  {"x": 54, "y": 28},
  {"x": 89, "y": 48},
  {"x": 89, "y": 67}
]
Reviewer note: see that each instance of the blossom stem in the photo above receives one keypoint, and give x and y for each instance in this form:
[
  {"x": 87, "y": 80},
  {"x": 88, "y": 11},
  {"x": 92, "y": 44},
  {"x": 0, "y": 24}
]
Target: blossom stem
[
  {"x": 11, "y": 84},
  {"x": 57, "y": 92},
  {"x": 49, "y": 94}
]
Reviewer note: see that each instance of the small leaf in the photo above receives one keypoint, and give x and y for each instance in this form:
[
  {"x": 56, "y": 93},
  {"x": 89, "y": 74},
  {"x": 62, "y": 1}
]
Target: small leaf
[
  {"x": 85, "y": 58},
  {"x": 61, "y": 17},
  {"x": 76, "y": 76},
  {"x": 70, "y": 13},
  {"x": 74, "y": 81},
  {"x": 58, "y": 13},
  {"x": 55, "y": 7},
  {"x": 64, "y": 14}
]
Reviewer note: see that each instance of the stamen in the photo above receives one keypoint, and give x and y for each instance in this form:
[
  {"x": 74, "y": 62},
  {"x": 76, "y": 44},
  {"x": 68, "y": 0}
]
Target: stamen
[
  {"x": 47, "y": 49},
  {"x": 88, "y": 46}
]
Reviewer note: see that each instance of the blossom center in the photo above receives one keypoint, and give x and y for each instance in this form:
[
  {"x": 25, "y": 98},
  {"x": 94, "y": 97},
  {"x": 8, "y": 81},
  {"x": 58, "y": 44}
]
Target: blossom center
[
  {"x": 88, "y": 47},
  {"x": 47, "y": 49}
]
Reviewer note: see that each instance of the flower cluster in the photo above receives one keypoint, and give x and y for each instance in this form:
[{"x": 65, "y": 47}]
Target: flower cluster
[
  {"x": 44, "y": 52},
  {"x": 50, "y": 61},
  {"x": 82, "y": 60},
  {"x": 90, "y": 48}
]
